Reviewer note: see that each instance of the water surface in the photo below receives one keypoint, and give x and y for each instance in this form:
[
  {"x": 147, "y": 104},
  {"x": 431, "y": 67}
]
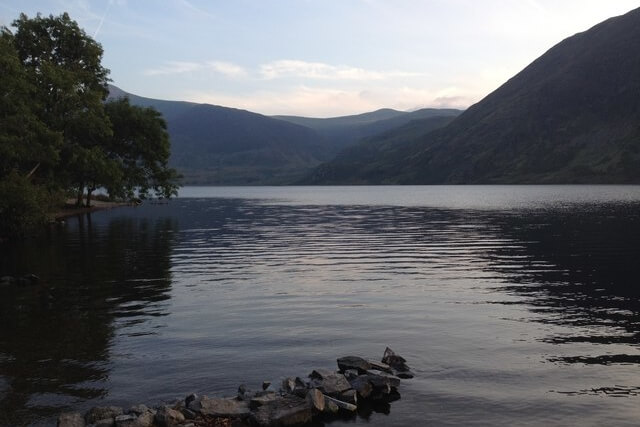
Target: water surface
[{"x": 513, "y": 304}]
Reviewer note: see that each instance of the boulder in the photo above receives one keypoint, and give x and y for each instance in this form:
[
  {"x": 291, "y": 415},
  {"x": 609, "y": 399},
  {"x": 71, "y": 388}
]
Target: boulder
[
  {"x": 100, "y": 413},
  {"x": 138, "y": 409},
  {"x": 396, "y": 362},
  {"x": 168, "y": 417},
  {"x": 266, "y": 384},
  {"x": 330, "y": 407},
  {"x": 315, "y": 398},
  {"x": 340, "y": 404},
  {"x": 70, "y": 419},
  {"x": 217, "y": 407},
  {"x": 295, "y": 386},
  {"x": 380, "y": 366},
  {"x": 128, "y": 420},
  {"x": 332, "y": 384},
  {"x": 353, "y": 362},
  {"x": 262, "y": 399},
  {"x": 288, "y": 410},
  {"x": 190, "y": 399},
  {"x": 349, "y": 396},
  {"x": 107, "y": 422}
]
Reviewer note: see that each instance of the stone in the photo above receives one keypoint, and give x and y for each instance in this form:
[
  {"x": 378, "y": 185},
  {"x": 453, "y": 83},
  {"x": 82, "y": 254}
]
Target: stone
[
  {"x": 288, "y": 385},
  {"x": 404, "y": 374},
  {"x": 319, "y": 374},
  {"x": 266, "y": 384},
  {"x": 289, "y": 410},
  {"x": 100, "y": 413},
  {"x": 244, "y": 393},
  {"x": 218, "y": 407},
  {"x": 330, "y": 407},
  {"x": 128, "y": 420},
  {"x": 143, "y": 420},
  {"x": 138, "y": 409},
  {"x": 7, "y": 281},
  {"x": 188, "y": 414},
  {"x": 315, "y": 399},
  {"x": 294, "y": 386},
  {"x": 353, "y": 362},
  {"x": 70, "y": 419},
  {"x": 362, "y": 386},
  {"x": 168, "y": 417},
  {"x": 351, "y": 374},
  {"x": 332, "y": 384},
  {"x": 397, "y": 362},
  {"x": 380, "y": 366},
  {"x": 349, "y": 396},
  {"x": 262, "y": 399},
  {"x": 190, "y": 399},
  {"x": 107, "y": 422},
  {"x": 340, "y": 404},
  {"x": 380, "y": 380}
]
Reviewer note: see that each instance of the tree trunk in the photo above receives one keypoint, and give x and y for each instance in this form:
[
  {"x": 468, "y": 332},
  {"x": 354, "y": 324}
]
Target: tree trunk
[
  {"x": 80, "y": 191},
  {"x": 89, "y": 191}
]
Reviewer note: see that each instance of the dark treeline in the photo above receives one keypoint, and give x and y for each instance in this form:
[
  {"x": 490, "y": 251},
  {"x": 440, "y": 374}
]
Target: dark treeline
[{"x": 58, "y": 136}]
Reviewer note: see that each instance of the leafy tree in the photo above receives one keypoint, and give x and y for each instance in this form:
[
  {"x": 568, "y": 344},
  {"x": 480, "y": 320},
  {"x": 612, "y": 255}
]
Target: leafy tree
[
  {"x": 64, "y": 65},
  {"x": 140, "y": 143}
]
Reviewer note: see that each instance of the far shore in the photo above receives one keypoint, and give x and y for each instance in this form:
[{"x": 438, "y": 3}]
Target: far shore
[{"x": 70, "y": 209}]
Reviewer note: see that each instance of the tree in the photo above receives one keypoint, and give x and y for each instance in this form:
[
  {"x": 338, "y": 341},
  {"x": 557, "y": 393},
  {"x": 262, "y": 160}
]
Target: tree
[
  {"x": 140, "y": 143},
  {"x": 64, "y": 65}
]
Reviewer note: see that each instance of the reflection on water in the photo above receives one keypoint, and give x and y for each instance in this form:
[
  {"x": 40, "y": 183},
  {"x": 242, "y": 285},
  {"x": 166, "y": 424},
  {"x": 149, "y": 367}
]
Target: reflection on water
[
  {"x": 55, "y": 338},
  {"x": 523, "y": 308}
]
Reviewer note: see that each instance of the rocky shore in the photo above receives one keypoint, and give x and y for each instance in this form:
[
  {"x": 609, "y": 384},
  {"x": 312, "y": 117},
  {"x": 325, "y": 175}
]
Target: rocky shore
[{"x": 358, "y": 385}]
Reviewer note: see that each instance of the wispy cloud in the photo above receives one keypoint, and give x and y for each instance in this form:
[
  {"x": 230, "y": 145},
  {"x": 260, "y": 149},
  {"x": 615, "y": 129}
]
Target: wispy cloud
[
  {"x": 174, "y": 67},
  {"x": 287, "y": 68},
  {"x": 227, "y": 69}
]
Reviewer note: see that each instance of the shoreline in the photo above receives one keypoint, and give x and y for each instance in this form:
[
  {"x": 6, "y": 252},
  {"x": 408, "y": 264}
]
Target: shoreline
[{"x": 71, "y": 210}]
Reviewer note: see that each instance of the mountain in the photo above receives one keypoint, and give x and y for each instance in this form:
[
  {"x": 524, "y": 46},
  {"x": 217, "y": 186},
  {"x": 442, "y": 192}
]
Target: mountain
[
  {"x": 219, "y": 145},
  {"x": 341, "y": 132},
  {"x": 571, "y": 116}
]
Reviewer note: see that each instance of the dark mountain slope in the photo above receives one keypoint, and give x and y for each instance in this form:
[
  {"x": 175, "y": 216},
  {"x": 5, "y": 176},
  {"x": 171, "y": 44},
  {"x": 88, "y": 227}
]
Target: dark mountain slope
[
  {"x": 572, "y": 116},
  {"x": 219, "y": 145},
  {"x": 360, "y": 163},
  {"x": 341, "y": 132}
]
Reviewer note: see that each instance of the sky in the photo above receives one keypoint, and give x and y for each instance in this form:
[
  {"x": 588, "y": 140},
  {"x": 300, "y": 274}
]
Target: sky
[{"x": 322, "y": 58}]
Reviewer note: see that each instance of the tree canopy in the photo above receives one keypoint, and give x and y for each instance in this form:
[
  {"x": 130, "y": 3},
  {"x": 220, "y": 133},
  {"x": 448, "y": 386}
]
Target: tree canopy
[{"x": 58, "y": 131}]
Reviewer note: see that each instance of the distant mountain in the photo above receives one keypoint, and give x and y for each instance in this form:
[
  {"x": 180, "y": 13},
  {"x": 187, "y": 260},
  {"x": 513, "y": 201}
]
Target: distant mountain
[
  {"x": 219, "y": 145},
  {"x": 572, "y": 116},
  {"x": 341, "y": 132}
]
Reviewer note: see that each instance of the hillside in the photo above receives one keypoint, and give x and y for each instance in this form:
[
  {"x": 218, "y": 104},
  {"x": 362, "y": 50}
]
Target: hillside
[
  {"x": 572, "y": 116},
  {"x": 342, "y": 132},
  {"x": 219, "y": 145}
]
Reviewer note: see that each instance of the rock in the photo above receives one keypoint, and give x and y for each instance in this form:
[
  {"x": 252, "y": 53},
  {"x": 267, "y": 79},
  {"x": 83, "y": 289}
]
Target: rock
[
  {"x": 126, "y": 420},
  {"x": 168, "y": 417},
  {"x": 319, "y": 374},
  {"x": 100, "y": 413},
  {"x": 138, "y": 409},
  {"x": 330, "y": 407},
  {"x": 379, "y": 380},
  {"x": 107, "y": 422},
  {"x": 265, "y": 384},
  {"x": 340, "y": 404},
  {"x": 380, "y": 366},
  {"x": 315, "y": 399},
  {"x": 7, "y": 281},
  {"x": 332, "y": 384},
  {"x": 28, "y": 280},
  {"x": 397, "y": 362},
  {"x": 143, "y": 420},
  {"x": 244, "y": 393},
  {"x": 286, "y": 411},
  {"x": 288, "y": 385},
  {"x": 362, "y": 386},
  {"x": 190, "y": 399},
  {"x": 188, "y": 414},
  {"x": 353, "y": 362},
  {"x": 262, "y": 399},
  {"x": 404, "y": 374},
  {"x": 294, "y": 386},
  {"x": 351, "y": 374},
  {"x": 69, "y": 419},
  {"x": 349, "y": 396},
  {"x": 217, "y": 407}
]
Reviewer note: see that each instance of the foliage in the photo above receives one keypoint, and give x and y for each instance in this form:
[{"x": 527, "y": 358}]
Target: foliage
[
  {"x": 55, "y": 133},
  {"x": 22, "y": 205}
]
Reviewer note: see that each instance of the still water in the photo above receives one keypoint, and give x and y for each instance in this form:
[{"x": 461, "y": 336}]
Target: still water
[{"x": 514, "y": 305}]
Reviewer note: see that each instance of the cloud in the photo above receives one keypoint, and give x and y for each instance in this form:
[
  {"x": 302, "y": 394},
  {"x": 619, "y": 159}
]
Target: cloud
[
  {"x": 227, "y": 69},
  {"x": 174, "y": 67},
  {"x": 287, "y": 68}
]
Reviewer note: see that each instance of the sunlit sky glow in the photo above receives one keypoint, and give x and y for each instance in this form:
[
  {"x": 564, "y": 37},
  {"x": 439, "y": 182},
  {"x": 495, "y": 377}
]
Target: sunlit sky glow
[{"x": 322, "y": 57}]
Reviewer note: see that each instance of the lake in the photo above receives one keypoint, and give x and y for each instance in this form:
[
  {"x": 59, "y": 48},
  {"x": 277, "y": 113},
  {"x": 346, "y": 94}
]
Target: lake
[{"x": 514, "y": 305}]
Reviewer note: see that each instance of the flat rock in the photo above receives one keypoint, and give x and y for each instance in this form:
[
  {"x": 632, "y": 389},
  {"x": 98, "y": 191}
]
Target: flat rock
[
  {"x": 71, "y": 419},
  {"x": 353, "y": 362},
  {"x": 100, "y": 413},
  {"x": 287, "y": 411},
  {"x": 217, "y": 407},
  {"x": 263, "y": 399}
]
